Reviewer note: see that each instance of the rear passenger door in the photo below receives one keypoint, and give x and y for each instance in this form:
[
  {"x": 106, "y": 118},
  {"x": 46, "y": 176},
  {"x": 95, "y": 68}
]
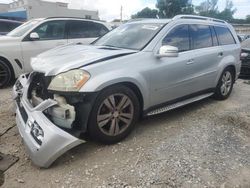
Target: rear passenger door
[
  {"x": 85, "y": 32},
  {"x": 207, "y": 54}
]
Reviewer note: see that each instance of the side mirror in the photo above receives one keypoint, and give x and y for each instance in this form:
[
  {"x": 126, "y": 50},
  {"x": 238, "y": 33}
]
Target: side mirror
[
  {"x": 168, "y": 51},
  {"x": 34, "y": 36}
]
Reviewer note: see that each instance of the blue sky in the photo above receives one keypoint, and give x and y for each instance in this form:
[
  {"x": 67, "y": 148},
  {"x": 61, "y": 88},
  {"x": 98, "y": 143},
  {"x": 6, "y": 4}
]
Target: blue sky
[{"x": 110, "y": 9}]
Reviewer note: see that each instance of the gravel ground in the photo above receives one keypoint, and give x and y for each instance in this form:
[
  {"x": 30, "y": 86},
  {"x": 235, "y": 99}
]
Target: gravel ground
[{"x": 206, "y": 144}]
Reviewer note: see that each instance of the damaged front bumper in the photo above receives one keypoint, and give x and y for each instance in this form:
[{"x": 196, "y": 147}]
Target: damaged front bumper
[{"x": 43, "y": 140}]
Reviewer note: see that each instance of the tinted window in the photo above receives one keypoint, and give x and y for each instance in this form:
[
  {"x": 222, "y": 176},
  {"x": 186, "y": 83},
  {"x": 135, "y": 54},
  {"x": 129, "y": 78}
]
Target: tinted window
[
  {"x": 200, "y": 36},
  {"x": 214, "y": 37},
  {"x": 84, "y": 29},
  {"x": 224, "y": 35},
  {"x": 53, "y": 30},
  {"x": 4, "y": 27},
  {"x": 178, "y": 37}
]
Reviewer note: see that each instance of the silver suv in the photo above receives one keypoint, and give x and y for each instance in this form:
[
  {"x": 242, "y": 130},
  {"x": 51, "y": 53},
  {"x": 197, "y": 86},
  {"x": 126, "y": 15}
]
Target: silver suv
[{"x": 142, "y": 68}]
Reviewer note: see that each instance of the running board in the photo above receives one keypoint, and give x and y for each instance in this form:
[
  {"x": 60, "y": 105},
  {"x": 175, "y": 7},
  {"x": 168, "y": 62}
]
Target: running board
[{"x": 179, "y": 104}]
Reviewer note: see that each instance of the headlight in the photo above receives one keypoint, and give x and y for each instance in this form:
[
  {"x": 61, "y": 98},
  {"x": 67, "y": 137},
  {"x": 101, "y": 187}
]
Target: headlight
[
  {"x": 244, "y": 55},
  {"x": 69, "y": 81}
]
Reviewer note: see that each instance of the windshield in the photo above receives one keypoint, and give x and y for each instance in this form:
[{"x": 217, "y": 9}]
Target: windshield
[
  {"x": 246, "y": 44},
  {"x": 130, "y": 36},
  {"x": 21, "y": 30}
]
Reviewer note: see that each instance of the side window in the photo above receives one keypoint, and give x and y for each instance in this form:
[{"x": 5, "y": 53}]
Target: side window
[
  {"x": 224, "y": 35},
  {"x": 214, "y": 37},
  {"x": 53, "y": 30},
  {"x": 178, "y": 37},
  {"x": 100, "y": 29},
  {"x": 4, "y": 27},
  {"x": 85, "y": 29},
  {"x": 200, "y": 36}
]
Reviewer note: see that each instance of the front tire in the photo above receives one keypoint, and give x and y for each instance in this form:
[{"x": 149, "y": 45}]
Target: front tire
[
  {"x": 225, "y": 85},
  {"x": 114, "y": 115},
  {"x": 5, "y": 74}
]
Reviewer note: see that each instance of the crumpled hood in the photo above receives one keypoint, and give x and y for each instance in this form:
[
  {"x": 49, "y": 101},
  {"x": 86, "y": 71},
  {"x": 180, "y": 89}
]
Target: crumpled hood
[{"x": 69, "y": 57}]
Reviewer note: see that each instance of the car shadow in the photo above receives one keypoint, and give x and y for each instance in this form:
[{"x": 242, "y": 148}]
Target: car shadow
[{"x": 143, "y": 127}]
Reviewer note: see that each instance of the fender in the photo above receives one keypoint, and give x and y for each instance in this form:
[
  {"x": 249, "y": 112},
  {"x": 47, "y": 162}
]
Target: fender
[
  {"x": 99, "y": 82},
  {"x": 225, "y": 62},
  {"x": 17, "y": 70}
]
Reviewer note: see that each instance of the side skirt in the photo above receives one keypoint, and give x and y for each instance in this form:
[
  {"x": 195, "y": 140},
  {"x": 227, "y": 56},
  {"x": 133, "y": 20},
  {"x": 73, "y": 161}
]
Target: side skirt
[{"x": 177, "y": 103}]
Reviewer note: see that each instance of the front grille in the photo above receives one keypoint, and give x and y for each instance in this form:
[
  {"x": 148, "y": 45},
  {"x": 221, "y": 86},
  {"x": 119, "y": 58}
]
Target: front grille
[
  {"x": 39, "y": 84},
  {"x": 22, "y": 111},
  {"x": 245, "y": 70}
]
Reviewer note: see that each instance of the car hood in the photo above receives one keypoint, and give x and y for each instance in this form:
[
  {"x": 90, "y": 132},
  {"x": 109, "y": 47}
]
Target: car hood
[
  {"x": 4, "y": 38},
  {"x": 69, "y": 57}
]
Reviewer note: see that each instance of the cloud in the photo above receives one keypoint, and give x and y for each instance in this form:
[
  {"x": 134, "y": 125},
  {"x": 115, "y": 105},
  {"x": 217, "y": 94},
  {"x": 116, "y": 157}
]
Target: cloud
[{"x": 110, "y": 9}]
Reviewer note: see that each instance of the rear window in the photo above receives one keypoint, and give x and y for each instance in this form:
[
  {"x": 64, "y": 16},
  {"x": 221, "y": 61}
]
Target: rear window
[{"x": 224, "y": 35}]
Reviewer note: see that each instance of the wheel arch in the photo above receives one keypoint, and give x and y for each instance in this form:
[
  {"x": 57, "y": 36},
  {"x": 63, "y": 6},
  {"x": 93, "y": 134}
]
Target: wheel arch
[
  {"x": 137, "y": 92},
  {"x": 10, "y": 65}
]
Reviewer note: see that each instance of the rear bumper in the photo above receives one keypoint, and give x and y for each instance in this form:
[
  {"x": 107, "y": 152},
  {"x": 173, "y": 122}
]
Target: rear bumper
[{"x": 54, "y": 142}]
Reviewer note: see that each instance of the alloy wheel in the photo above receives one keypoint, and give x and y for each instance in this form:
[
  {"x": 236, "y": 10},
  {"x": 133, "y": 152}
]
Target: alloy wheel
[
  {"x": 226, "y": 83},
  {"x": 115, "y": 114}
]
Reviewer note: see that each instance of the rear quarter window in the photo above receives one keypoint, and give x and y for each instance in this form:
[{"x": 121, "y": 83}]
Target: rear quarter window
[{"x": 224, "y": 35}]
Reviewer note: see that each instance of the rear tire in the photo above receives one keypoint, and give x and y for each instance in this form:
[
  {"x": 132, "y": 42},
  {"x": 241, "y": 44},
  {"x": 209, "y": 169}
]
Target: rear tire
[
  {"x": 225, "y": 85},
  {"x": 114, "y": 114},
  {"x": 6, "y": 74}
]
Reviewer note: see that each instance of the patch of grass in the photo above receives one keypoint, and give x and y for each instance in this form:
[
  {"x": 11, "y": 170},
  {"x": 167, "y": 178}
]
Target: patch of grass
[{"x": 1, "y": 178}]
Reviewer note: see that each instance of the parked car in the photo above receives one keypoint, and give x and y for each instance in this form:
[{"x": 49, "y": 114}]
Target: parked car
[
  {"x": 39, "y": 35},
  {"x": 141, "y": 68},
  {"x": 8, "y": 25},
  {"x": 245, "y": 58}
]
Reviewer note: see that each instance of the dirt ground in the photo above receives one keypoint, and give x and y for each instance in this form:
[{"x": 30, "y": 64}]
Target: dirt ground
[{"x": 206, "y": 144}]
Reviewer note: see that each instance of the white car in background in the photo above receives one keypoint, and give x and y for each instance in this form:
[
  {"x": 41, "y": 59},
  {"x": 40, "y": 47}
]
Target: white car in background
[{"x": 39, "y": 35}]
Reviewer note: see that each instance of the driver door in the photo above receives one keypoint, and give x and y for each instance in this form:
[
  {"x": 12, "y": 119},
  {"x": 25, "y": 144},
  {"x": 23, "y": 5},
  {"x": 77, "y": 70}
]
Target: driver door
[
  {"x": 51, "y": 34},
  {"x": 172, "y": 76}
]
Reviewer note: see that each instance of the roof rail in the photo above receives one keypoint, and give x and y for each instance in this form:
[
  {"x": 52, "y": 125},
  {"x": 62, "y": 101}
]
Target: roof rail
[
  {"x": 71, "y": 17},
  {"x": 138, "y": 19},
  {"x": 198, "y": 18}
]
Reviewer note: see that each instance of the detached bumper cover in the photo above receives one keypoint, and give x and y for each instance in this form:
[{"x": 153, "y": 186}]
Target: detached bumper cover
[{"x": 54, "y": 141}]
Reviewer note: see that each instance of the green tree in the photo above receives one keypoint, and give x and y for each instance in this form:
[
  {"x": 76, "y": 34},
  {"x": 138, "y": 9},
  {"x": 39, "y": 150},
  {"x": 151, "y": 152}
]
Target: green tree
[
  {"x": 209, "y": 8},
  {"x": 228, "y": 12},
  {"x": 170, "y": 8},
  {"x": 146, "y": 13},
  {"x": 248, "y": 18}
]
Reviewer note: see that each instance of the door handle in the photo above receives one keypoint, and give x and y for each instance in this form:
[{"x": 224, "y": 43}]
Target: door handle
[
  {"x": 220, "y": 54},
  {"x": 190, "y": 62},
  {"x": 60, "y": 43}
]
